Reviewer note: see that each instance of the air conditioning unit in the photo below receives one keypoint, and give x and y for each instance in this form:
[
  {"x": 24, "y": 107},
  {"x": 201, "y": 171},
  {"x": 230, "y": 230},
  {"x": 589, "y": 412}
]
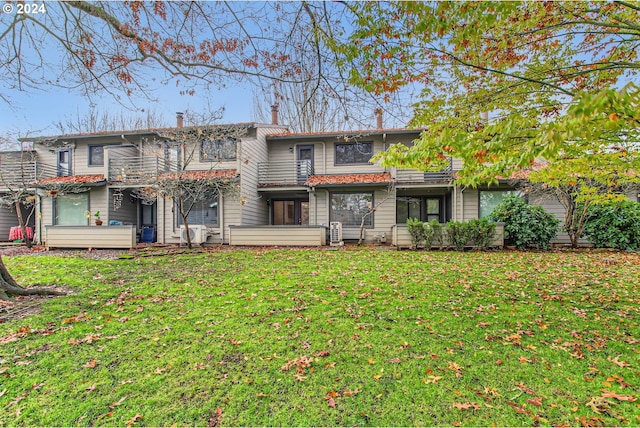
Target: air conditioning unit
[
  {"x": 335, "y": 234},
  {"x": 197, "y": 233}
]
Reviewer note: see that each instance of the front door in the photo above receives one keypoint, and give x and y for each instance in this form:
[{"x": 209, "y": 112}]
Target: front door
[
  {"x": 290, "y": 212},
  {"x": 304, "y": 162}
]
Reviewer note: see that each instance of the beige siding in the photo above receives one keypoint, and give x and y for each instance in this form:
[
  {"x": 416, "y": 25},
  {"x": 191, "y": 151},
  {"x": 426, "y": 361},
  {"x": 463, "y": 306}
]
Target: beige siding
[
  {"x": 469, "y": 204},
  {"x": 278, "y": 235},
  {"x": 90, "y": 237},
  {"x": 254, "y": 208},
  {"x": 231, "y": 215}
]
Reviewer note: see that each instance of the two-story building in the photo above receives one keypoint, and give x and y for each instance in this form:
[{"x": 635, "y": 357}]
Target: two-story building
[{"x": 290, "y": 187}]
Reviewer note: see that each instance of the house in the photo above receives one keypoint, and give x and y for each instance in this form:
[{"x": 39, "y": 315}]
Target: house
[
  {"x": 18, "y": 171},
  {"x": 290, "y": 187},
  {"x": 109, "y": 172}
]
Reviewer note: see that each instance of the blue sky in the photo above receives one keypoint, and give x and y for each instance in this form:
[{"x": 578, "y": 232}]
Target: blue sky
[{"x": 36, "y": 112}]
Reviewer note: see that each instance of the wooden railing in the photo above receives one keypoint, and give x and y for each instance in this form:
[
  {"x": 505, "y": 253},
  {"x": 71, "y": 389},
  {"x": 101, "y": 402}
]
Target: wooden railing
[{"x": 284, "y": 173}]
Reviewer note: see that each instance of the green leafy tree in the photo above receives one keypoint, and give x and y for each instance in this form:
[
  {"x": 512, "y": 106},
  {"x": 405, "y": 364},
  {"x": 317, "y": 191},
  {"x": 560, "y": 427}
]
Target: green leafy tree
[{"x": 510, "y": 83}]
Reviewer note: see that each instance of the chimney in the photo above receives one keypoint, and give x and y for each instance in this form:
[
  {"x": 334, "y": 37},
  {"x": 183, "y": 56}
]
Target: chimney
[
  {"x": 274, "y": 114},
  {"x": 484, "y": 116},
  {"x": 179, "y": 119},
  {"x": 378, "y": 112}
]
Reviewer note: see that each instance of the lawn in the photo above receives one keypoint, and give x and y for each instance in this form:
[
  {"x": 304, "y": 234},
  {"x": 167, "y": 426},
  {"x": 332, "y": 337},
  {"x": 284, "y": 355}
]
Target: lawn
[{"x": 317, "y": 337}]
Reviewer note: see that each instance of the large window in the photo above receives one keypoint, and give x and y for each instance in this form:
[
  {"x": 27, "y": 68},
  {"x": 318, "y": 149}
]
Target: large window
[
  {"x": 221, "y": 149},
  {"x": 349, "y": 208},
  {"x": 71, "y": 209},
  {"x": 489, "y": 200},
  {"x": 203, "y": 212},
  {"x": 353, "y": 153},
  {"x": 422, "y": 208}
]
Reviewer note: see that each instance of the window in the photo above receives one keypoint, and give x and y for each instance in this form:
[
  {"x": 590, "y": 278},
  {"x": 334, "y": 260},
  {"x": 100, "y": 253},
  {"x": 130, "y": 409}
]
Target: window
[
  {"x": 203, "y": 212},
  {"x": 489, "y": 200},
  {"x": 96, "y": 155},
  {"x": 290, "y": 212},
  {"x": 64, "y": 162},
  {"x": 71, "y": 209},
  {"x": 407, "y": 207},
  {"x": 353, "y": 153},
  {"x": 349, "y": 208},
  {"x": 420, "y": 207},
  {"x": 221, "y": 149}
]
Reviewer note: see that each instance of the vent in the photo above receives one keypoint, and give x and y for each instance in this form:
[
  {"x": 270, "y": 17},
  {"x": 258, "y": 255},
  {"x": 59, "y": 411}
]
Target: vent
[
  {"x": 197, "y": 233},
  {"x": 335, "y": 233}
]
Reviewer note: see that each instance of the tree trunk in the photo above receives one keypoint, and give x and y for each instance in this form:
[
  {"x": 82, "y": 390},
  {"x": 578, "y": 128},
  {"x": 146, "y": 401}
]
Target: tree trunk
[
  {"x": 9, "y": 287},
  {"x": 23, "y": 228},
  {"x": 185, "y": 222}
]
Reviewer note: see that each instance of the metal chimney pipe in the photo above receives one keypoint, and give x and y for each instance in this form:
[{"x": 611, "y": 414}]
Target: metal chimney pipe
[
  {"x": 179, "y": 119},
  {"x": 274, "y": 114}
]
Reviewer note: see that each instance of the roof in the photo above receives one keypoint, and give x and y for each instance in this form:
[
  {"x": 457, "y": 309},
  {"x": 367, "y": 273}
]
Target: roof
[
  {"x": 342, "y": 179},
  {"x": 116, "y": 133},
  {"x": 94, "y": 179},
  {"x": 338, "y": 134},
  {"x": 200, "y": 175}
]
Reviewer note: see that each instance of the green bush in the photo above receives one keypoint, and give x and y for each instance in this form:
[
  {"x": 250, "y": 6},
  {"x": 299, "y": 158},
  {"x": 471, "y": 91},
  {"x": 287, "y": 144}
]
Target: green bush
[
  {"x": 525, "y": 225},
  {"x": 438, "y": 233},
  {"x": 481, "y": 232},
  {"x": 457, "y": 234},
  {"x": 415, "y": 230},
  {"x": 614, "y": 225},
  {"x": 423, "y": 234}
]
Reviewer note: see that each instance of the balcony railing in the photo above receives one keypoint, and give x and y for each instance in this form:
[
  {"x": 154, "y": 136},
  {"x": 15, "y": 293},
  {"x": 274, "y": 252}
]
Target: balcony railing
[
  {"x": 284, "y": 173},
  {"x": 24, "y": 173},
  {"x": 414, "y": 176},
  {"x": 138, "y": 170}
]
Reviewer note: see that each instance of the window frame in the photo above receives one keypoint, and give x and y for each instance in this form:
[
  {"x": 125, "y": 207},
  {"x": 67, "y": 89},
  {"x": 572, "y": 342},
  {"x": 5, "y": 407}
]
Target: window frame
[
  {"x": 502, "y": 190},
  {"x": 55, "y": 209},
  {"x": 90, "y": 162},
  {"x": 178, "y": 217},
  {"x": 369, "y": 224},
  {"x": 214, "y": 153},
  {"x": 336, "y": 161}
]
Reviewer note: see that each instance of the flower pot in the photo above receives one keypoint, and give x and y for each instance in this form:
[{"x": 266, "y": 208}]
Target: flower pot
[{"x": 98, "y": 222}]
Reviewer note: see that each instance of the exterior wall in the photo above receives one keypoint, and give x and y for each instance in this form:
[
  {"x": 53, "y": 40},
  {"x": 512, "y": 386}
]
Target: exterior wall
[
  {"x": 278, "y": 235},
  {"x": 470, "y": 204},
  {"x": 8, "y": 219},
  {"x": 251, "y": 152},
  {"x": 128, "y": 211},
  {"x": 90, "y": 237}
]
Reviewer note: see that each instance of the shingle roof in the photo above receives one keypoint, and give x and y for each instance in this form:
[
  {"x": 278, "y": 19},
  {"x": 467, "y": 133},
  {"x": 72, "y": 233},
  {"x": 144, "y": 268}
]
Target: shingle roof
[
  {"x": 375, "y": 178},
  {"x": 73, "y": 179},
  {"x": 200, "y": 175}
]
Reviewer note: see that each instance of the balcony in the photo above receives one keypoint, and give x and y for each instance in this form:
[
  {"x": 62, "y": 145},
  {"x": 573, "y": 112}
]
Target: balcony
[
  {"x": 138, "y": 170},
  {"x": 415, "y": 176},
  {"x": 272, "y": 174},
  {"x": 24, "y": 174}
]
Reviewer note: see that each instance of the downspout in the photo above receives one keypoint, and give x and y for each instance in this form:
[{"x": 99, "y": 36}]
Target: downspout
[
  {"x": 221, "y": 217},
  {"x": 455, "y": 203}
]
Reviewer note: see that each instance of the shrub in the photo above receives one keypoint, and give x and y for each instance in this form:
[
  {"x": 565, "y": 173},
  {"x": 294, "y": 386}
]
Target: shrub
[
  {"x": 457, "y": 234},
  {"x": 438, "y": 233},
  {"x": 524, "y": 224},
  {"x": 415, "y": 230},
  {"x": 614, "y": 225},
  {"x": 481, "y": 232},
  {"x": 428, "y": 234}
]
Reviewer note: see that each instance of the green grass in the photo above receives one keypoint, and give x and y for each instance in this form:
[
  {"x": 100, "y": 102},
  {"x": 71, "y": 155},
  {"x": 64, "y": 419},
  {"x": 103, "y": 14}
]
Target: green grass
[{"x": 317, "y": 337}]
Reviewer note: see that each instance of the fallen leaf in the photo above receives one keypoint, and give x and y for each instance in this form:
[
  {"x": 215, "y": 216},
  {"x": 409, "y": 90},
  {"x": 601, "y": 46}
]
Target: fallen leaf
[
  {"x": 466, "y": 406},
  {"x": 133, "y": 420},
  {"x": 619, "y": 397},
  {"x": 617, "y": 361},
  {"x": 91, "y": 364},
  {"x": 117, "y": 403}
]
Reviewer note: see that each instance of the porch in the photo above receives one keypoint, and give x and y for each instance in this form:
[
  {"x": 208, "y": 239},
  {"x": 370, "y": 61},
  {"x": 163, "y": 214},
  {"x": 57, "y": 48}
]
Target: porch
[{"x": 308, "y": 236}]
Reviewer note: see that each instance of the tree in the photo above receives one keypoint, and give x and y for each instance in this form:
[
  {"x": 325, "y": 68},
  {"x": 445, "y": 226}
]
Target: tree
[
  {"x": 96, "y": 120},
  {"x": 554, "y": 79},
  {"x": 187, "y": 187}
]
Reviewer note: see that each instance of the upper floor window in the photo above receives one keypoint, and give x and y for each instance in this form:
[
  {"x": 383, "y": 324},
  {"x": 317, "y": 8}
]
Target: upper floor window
[
  {"x": 220, "y": 149},
  {"x": 96, "y": 155},
  {"x": 64, "y": 162},
  {"x": 353, "y": 153}
]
